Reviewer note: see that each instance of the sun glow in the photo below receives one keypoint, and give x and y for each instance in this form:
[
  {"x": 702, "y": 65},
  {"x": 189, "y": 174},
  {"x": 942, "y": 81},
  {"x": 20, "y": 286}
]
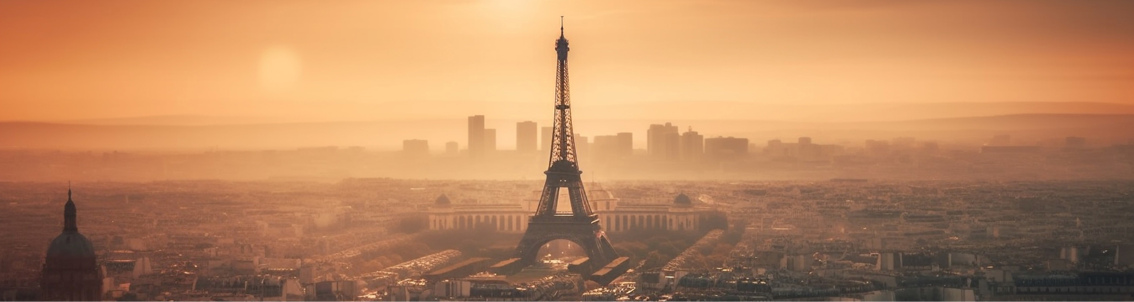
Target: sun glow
[{"x": 280, "y": 69}]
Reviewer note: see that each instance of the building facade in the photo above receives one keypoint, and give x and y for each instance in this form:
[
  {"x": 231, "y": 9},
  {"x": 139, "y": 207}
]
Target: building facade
[
  {"x": 692, "y": 145},
  {"x": 663, "y": 141},
  {"x": 526, "y": 137},
  {"x": 615, "y": 216},
  {"x": 545, "y": 139},
  {"x": 476, "y": 135},
  {"x": 451, "y": 148},
  {"x": 489, "y": 144},
  {"x": 726, "y": 147},
  {"x": 415, "y": 147}
]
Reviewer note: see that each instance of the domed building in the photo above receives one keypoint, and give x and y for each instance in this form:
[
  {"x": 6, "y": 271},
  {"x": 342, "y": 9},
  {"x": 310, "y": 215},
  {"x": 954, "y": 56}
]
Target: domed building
[
  {"x": 442, "y": 201},
  {"x": 682, "y": 200},
  {"x": 502, "y": 217},
  {"x": 680, "y": 215},
  {"x": 70, "y": 272},
  {"x": 615, "y": 215}
]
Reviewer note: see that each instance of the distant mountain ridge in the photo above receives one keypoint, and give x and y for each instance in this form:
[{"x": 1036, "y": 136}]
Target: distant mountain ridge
[
  {"x": 389, "y": 134},
  {"x": 866, "y": 112},
  {"x": 175, "y": 120},
  {"x": 584, "y": 110}
]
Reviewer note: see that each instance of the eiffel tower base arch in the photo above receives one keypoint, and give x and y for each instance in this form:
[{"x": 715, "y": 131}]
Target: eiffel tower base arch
[{"x": 585, "y": 233}]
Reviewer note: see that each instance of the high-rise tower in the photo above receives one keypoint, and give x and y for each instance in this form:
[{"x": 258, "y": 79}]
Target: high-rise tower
[
  {"x": 476, "y": 136},
  {"x": 581, "y": 225},
  {"x": 526, "y": 137}
]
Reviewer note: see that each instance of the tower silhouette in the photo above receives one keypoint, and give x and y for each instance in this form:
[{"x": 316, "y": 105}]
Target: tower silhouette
[{"x": 581, "y": 226}]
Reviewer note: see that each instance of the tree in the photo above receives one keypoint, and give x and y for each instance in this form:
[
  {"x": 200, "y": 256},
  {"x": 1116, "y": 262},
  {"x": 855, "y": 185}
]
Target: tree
[
  {"x": 655, "y": 259},
  {"x": 412, "y": 224}
]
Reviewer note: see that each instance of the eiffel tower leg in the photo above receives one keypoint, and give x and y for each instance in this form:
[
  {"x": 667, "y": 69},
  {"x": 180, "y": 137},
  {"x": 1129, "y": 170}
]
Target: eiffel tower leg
[
  {"x": 529, "y": 246},
  {"x": 584, "y": 234}
]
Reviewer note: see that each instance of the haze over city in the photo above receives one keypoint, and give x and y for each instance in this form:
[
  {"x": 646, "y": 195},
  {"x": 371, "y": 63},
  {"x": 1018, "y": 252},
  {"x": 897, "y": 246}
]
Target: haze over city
[
  {"x": 473, "y": 150},
  {"x": 305, "y": 61}
]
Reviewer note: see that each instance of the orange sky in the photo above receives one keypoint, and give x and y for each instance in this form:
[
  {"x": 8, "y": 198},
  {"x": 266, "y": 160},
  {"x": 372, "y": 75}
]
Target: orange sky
[{"x": 64, "y": 60}]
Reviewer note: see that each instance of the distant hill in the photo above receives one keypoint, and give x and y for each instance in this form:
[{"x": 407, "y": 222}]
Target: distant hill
[
  {"x": 846, "y": 112},
  {"x": 389, "y": 134},
  {"x": 177, "y": 120},
  {"x": 1024, "y": 128},
  {"x": 659, "y": 111}
]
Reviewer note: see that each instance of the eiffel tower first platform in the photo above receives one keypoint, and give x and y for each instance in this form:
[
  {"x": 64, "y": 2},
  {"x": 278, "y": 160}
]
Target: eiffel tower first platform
[{"x": 581, "y": 226}]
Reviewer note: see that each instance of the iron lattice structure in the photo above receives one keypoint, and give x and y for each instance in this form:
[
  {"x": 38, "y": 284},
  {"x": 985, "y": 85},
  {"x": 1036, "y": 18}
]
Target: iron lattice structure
[
  {"x": 563, "y": 164},
  {"x": 581, "y": 225}
]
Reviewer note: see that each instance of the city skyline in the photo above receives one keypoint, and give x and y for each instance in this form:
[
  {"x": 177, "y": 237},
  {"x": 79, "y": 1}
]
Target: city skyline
[{"x": 822, "y": 156}]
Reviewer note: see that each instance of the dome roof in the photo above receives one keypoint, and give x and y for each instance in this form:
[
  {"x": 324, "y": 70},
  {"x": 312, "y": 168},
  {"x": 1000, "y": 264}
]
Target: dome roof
[
  {"x": 71, "y": 245},
  {"x": 443, "y": 200},
  {"x": 601, "y": 194},
  {"x": 682, "y": 200}
]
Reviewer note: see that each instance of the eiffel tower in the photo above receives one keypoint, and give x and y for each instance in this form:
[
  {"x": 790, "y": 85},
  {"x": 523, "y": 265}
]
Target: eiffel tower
[{"x": 581, "y": 226}]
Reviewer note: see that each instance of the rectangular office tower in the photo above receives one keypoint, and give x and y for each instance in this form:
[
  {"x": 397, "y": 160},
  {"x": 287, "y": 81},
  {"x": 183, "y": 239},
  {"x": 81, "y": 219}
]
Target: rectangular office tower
[
  {"x": 545, "y": 139},
  {"x": 415, "y": 147},
  {"x": 526, "y": 137},
  {"x": 451, "y": 149},
  {"x": 476, "y": 135},
  {"x": 663, "y": 141},
  {"x": 626, "y": 144},
  {"x": 489, "y": 141},
  {"x": 726, "y": 147},
  {"x": 692, "y": 145},
  {"x": 613, "y": 147}
]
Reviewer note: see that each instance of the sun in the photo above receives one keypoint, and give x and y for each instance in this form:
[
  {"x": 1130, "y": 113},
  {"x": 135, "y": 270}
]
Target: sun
[{"x": 280, "y": 69}]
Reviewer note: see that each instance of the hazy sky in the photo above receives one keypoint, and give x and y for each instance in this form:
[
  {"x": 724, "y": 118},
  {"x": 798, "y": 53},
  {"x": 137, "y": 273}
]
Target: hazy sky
[{"x": 327, "y": 59}]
